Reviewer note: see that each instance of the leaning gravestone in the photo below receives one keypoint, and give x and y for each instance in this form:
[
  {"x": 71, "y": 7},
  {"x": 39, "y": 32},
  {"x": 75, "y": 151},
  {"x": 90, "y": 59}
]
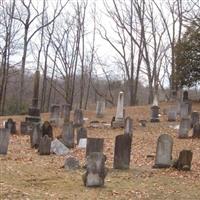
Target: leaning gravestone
[
  {"x": 194, "y": 118},
  {"x": 35, "y": 135},
  {"x": 184, "y": 128},
  {"x": 122, "y": 151},
  {"x": 196, "y": 131},
  {"x": 118, "y": 121},
  {"x": 78, "y": 118},
  {"x": 164, "y": 151},
  {"x": 184, "y": 160},
  {"x": 47, "y": 130},
  {"x": 45, "y": 145},
  {"x": 55, "y": 114},
  {"x": 94, "y": 145},
  {"x": 68, "y": 135},
  {"x": 171, "y": 115},
  {"x": 11, "y": 125},
  {"x": 81, "y": 133},
  {"x": 4, "y": 140},
  {"x": 59, "y": 148},
  {"x": 100, "y": 108},
  {"x": 128, "y": 128},
  {"x": 95, "y": 170}
]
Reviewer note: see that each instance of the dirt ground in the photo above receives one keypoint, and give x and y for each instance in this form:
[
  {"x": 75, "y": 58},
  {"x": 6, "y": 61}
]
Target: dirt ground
[{"x": 26, "y": 175}]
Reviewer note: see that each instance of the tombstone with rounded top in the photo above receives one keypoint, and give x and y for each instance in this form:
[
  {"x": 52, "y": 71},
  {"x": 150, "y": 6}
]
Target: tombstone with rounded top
[
  {"x": 47, "y": 130},
  {"x": 4, "y": 140},
  {"x": 11, "y": 125}
]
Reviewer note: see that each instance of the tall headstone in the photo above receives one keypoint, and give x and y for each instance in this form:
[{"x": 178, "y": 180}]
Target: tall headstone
[
  {"x": 100, "y": 109},
  {"x": 4, "y": 140},
  {"x": 95, "y": 170},
  {"x": 81, "y": 133},
  {"x": 35, "y": 135},
  {"x": 94, "y": 145},
  {"x": 185, "y": 95},
  {"x": 65, "y": 113},
  {"x": 184, "y": 128},
  {"x": 128, "y": 128},
  {"x": 11, "y": 125},
  {"x": 47, "y": 130},
  {"x": 68, "y": 135},
  {"x": 196, "y": 131},
  {"x": 55, "y": 114},
  {"x": 194, "y": 118},
  {"x": 164, "y": 151},
  {"x": 171, "y": 115},
  {"x": 119, "y": 117},
  {"x": 78, "y": 118},
  {"x": 185, "y": 109},
  {"x": 45, "y": 145},
  {"x": 122, "y": 151}
]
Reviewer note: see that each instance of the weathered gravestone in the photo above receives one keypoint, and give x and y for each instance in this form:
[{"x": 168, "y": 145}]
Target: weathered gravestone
[
  {"x": 128, "y": 128},
  {"x": 118, "y": 121},
  {"x": 11, "y": 125},
  {"x": 95, "y": 170},
  {"x": 45, "y": 145},
  {"x": 164, "y": 151},
  {"x": 82, "y": 143},
  {"x": 122, "y": 151},
  {"x": 23, "y": 128},
  {"x": 4, "y": 140},
  {"x": 196, "y": 131},
  {"x": 65, "y": 112},
  {"x": 55, "y": 114},
  {"x": 71, "y": 163},
  {"x": 68, "y": 135},
  {"x": 100, "y": 108},
  {"x": 94, "y": 145},
  {"x": 171, "y": 115},
  {"x": 155, "y": 113},
  {"x": 35, "y": 135},
  {"x": 194, "y": 118},
  {"x": 78, "y": 118},
  {"x": 185, "y": 96},
  {"x": 59, "y": 148},
  {"x": 185, "y": 109},
  {"x": 184, "y": 160},
  {"x": 47, "y": 130},
  {"x": 184, "y": 128},
  {"x": 81, "y": 133}
]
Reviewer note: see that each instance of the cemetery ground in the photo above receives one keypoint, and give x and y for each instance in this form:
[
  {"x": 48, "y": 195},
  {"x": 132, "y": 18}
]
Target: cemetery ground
[{"x": 24, "y": 174}]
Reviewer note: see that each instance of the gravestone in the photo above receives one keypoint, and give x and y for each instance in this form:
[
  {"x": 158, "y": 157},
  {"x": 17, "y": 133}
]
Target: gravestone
[
  {"x": 164, "y": 151},
  {"x": 184, "y": 160},
  {"x": 65, "y": 113},
  {"x": 81, "y": 133},
  {"x": 68, "y": 135},
  {"x": 82, "y": 143},
  {"x": 185, "y": 96},
  {"x": 95, "y": 170},
  {"x": 155, "y": 113},
  {"x": 11, "y": 125},
  {"x": 196, "y": 131},
  {"x": 155, "y": 100},
  {"x": 23, "y": 128},
  {"x": 4, "y": 140},
  {"x": 71, "y": 163},
  {"x": 45, "y": 145},
  {"x": 119, "y": 117},
  {"x": 100, "y": 108},
  {"x": 122, "y": 151},
  {"x": 47, "y": 130},
  {"x": 128, "y": 128},
  {"x": 171, "y": 115},
  {"x": 94, "y": 145},
  {"x": 78, "y": 118},
  {"x": 55, "y": 114},
  {"x": 59, "y": 148},
  {"x": 35, "y": 135},
  {"x": 185, "y": 109},
  {"x": 194, "y": 118},
  {"x": 184, "y": 128}
]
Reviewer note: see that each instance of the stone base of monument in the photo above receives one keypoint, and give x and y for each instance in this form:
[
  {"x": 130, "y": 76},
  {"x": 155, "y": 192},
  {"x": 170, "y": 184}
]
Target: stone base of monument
[
  {"x": 117, "y": 124},
  {"x": 33, "y": 119},
  {"x": 155, "y": 120}
]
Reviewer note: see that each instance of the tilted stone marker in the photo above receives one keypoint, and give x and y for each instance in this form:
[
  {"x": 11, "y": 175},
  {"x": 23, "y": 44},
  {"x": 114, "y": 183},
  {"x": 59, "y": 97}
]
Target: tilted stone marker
[
  {"x": 118, "y": 121},
  {"x": 171, "y": 115},
  {"x": 164, "y": 151},
  {"x": 47, "y": 130},
  {"x": 65, "y": 112},
  {"x": 45, "y": 145},
  {"x": 122, "y": 151},
  {"x": 95, "y": 170},
  {"x": 196, "y": 131},
  {"x": 81, "y": 133},
  {"x": 184, "y": 160},
  {"x": 11, "y": 125},
  {"x": 35, "y": 135},
  {"x": 184, "y": 128},
  {"x": 55, "y": 114},
  {"x": 68, "y": 135},
  {"x": 100, "y": 109},
  {"x": 128, "y": 128},
  {"x": 94, "y": 145},
  {"x": 194, "y": 118},
  {"x": 58, "y": 148},
  {"x": 4, "y": 140},
  {"x": 78, "y": 118}
]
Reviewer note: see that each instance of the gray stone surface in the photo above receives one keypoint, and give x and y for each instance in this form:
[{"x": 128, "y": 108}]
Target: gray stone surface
[
  {"x": 194, "y": 118},
  {"x": 94, "y": 145},
  {"x": 196, "y": 131},
  {"x": 55, "y": 114},
  {"x": 128, "y": 128},
  {"x": 184, "y": 128},
  {"x": 11, "y": 125},
  {"x": 45, "y": 145},
  {"x": 100, "y": 109},
  {"x": 81, "y": 133},
  {"x": 59, "y": 148},
  {"x": 68, "y": 135},
  {"x": 4, "y": 140},
  {"x": 71, "y": 163},
  {"x": 65, "y": 113},
  {"x": 82, "y": 143},
  {"x": 164, "y": 151},
  {"x": 155, "y": 113},
  {"x": 171, "y": 115},
  {"x": 35, "y": 135}
]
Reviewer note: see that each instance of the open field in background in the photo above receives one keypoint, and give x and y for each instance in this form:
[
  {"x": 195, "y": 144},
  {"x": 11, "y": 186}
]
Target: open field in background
[{"x": 26, "y": 175}]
